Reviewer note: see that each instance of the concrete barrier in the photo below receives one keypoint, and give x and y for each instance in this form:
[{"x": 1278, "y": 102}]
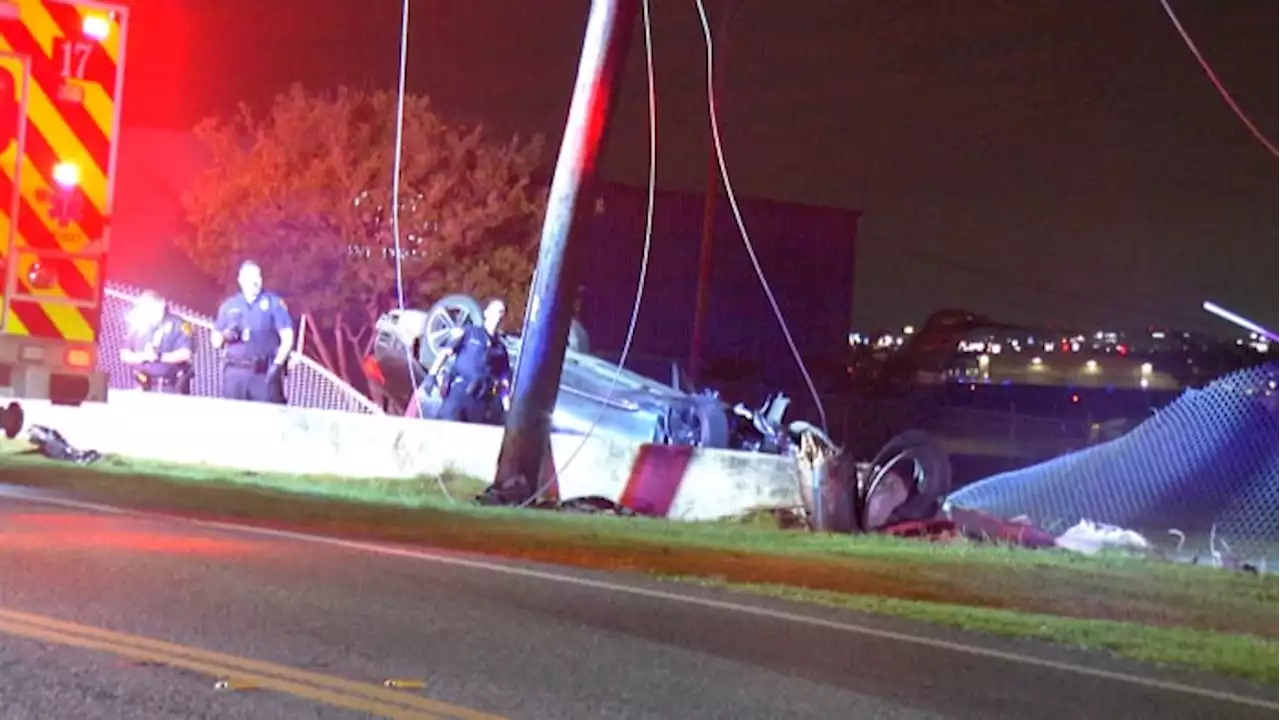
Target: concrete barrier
[{"x": 671, "y": 481}]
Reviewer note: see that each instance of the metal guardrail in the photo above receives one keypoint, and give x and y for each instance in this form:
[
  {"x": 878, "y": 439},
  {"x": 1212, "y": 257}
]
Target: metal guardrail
[{"x": 308, "y": 384}]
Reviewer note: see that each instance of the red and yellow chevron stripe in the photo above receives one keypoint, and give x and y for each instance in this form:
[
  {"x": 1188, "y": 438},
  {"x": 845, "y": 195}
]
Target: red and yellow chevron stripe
[{"x": 61, "y": 75}]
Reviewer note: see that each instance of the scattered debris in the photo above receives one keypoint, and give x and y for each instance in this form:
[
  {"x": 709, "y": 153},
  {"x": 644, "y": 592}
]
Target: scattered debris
[
  {"x": 405, "y": 684},
  {"x": 827, "y": 480},
  {"x": 902, "y": 484},
  {"x": 1091, "y": 538},
  {"x": 51, "y": 444},
  {"x": 1017, "y": 532},
  {"x": 235, "y": 685},
  {"x": 588, "y": 504}
]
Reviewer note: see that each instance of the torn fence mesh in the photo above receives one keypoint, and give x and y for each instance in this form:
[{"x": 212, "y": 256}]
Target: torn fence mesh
[{"x": 1206, "y": 463}]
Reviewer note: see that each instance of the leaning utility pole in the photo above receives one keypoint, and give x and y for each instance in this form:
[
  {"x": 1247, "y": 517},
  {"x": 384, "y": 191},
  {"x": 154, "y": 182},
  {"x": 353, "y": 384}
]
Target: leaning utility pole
[{"x": 526, "y": 440}]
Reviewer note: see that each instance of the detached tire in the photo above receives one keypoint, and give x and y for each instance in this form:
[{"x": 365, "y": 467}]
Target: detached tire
[
  {"x": 929, "y": 479},
  {"x": 446, "y": 314}
]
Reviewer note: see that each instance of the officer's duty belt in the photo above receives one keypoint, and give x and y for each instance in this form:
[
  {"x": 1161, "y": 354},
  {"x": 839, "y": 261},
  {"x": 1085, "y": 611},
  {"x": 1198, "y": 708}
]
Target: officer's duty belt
[{"x": 258, "y": 365}]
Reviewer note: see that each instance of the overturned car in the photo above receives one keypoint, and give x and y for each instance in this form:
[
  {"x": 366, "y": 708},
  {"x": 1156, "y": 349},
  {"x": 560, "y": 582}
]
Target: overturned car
[{"x": 632, "y": 408}]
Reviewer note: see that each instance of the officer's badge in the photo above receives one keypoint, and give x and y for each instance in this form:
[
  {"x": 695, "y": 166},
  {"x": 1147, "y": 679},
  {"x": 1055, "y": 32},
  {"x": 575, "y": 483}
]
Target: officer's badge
[
  {"x": 186, "y": 328},
  {"x": 264, "y": 304}
]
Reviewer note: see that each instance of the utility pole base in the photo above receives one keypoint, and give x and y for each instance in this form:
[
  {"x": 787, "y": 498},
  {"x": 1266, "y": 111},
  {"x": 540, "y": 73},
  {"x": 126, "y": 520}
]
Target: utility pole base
[{"x": 526, "y": 444}]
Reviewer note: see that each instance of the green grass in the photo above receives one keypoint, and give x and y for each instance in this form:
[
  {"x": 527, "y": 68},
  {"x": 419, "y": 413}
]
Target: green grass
[
  {"x": 1163, "y": 612},
  {"x": 1244, "y": 656}
]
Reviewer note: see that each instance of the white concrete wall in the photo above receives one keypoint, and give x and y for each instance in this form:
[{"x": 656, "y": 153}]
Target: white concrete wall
[{"x": 681, "y": 483}]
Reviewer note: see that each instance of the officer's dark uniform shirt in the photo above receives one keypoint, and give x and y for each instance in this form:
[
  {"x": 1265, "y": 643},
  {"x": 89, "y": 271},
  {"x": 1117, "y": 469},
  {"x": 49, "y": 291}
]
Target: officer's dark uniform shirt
[
  {"x": 173, "y": 333},
  {"x": 259, "y": 324},
  {"x": 479, "y": 355}
]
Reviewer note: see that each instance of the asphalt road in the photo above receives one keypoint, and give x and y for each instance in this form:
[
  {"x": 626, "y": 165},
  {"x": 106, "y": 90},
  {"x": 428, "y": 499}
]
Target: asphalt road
[{"x": 121, "y": 616}]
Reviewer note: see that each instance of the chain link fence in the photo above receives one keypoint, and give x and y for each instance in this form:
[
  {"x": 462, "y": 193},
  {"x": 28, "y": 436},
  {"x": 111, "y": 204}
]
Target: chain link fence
[
  {"x": 308, "y": 383},
  {"x": 1207, "y": 465}
]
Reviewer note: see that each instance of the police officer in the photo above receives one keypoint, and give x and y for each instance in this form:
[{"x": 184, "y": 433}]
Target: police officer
[
  {"x": 158, "y": 347},
  {"x": 480, "y": 366},
  {"x": 256, "y": 331}
]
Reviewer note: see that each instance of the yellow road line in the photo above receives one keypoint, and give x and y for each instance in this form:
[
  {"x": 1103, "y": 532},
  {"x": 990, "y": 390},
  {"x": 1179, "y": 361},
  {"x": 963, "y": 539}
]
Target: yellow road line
[
  {"x": 314, "y": 686},
  {"x": 268, "y": 683}
]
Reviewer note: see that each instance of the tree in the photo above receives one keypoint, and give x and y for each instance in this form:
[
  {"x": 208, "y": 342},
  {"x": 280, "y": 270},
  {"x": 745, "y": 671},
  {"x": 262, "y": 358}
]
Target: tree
[{"x": 305, "y": 189}]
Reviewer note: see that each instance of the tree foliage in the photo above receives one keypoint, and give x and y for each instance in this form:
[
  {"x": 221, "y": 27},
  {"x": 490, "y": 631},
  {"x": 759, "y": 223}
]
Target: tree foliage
[{"x": 305, "y": 189}]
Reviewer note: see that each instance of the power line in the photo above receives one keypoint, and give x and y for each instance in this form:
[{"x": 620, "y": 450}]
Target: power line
[
  {"x": 1204, "y": 64},
  {"x": 742, "y": 226},
  {"x": 398, "y": 153}
]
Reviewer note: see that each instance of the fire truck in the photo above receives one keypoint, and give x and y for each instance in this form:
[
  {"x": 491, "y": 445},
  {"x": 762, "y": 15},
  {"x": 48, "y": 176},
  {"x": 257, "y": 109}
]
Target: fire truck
[{"x": 62, "y": 68}]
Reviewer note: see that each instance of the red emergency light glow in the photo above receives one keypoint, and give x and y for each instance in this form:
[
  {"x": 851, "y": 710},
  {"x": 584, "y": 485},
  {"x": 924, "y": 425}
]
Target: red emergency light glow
[
  {"x": 66, "y": 174},
  {"x": 96, "y": 27},
  {"x": 78, "y": 358}
]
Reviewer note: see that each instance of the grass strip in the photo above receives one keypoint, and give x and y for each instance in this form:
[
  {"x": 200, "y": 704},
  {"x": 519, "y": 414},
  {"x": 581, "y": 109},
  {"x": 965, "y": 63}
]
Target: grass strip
[
  {"x": 1198, "y": 617},
  {"x": 1244, "y": 656}
]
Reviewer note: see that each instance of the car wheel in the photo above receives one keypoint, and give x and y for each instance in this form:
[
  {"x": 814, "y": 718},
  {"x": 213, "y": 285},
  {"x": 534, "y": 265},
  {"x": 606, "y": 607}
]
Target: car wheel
[
  {"x": 916, "y": 457},
  {"x": 449, "y": 313},
  {"x": 700, "y": 421}
]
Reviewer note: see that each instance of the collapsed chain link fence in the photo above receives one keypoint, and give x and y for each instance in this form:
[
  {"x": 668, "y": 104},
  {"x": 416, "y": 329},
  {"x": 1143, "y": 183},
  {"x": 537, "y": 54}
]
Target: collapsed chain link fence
[
  {"x": 308, "y": 383},
  {"x": 1206, "y": 466}
]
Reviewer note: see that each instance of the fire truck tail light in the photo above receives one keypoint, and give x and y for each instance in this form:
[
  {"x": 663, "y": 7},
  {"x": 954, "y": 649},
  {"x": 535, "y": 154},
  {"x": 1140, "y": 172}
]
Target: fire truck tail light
[
  {"x": 79, "y": 358},
  {"x": 66, "y": 174},
  {"x": 96, "y": 27}
]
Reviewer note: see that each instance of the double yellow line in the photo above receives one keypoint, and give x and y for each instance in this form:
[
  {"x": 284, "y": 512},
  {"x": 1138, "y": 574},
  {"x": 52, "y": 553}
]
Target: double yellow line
[{"x": 239, "y": 671}]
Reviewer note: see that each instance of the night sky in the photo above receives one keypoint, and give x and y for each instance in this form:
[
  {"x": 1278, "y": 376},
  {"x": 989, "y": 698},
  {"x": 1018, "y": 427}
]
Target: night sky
[{"x": 1047, "y": 161}]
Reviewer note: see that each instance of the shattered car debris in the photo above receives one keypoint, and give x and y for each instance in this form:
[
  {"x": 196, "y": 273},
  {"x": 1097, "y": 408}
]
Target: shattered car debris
[
  {"x": 51, "y": 444},
  {"x": 902, "y": 492},
  {"x": 904, "y": 482},
  {"x": 634, "y": 409}
]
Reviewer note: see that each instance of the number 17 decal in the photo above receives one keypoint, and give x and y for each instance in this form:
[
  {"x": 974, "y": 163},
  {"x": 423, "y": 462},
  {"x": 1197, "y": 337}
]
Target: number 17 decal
[{"x": 74, "y": 56}]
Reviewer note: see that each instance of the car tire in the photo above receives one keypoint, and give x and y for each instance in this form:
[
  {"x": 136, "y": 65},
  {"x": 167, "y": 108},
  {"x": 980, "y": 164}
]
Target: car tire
[
  {"x": 929, "y": 459},
  {"x": 457, "y": 310},
  {"x": 712, "y": 429}
]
